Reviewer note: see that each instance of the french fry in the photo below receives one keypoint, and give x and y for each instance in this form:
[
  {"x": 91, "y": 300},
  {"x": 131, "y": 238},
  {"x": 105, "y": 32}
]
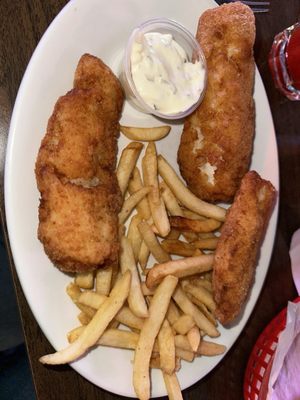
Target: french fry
[
  {"x": 190, "y": 236},
  {"x": 83, "y": 318},
  {"x": 145, "y": 134},
  {"x": 136, "y": 300},
  {"x": 152, "y": 243},
  {"x": 166, "y": 344},
  {"x": 202, "y": 308},
  {"x": 170, "y": 200},
  {"x": 127, "y": 163},
  {"x": 150, "y": 329},
  {"x": 180, "y": 268},
  {"x": 194, "y": 225},
  {"x": 89, "y": 311},
  {"x": 155, "y": 362},
  {"x": 191, "y": 214},
  {"x": 91, "y": 299},
  {"x": 185, "y": 196},
  {"x": 74, "y": 333},
  {"x": 183, "y": 324},
  {"x": 103, "y": 280},
  {"x": 119, "y": 338},
  {"x": 173, "y": 234},
  {"x": 200, "y": 293},
  {"x": 206, "y": 244},
  {"x": 134, "y": 236},
  {"x": 85, "y": 280},
  {"x": 210, "y": 349},
  {"x": 173, "y": 312},
  {"x": 194, "y": 338},
  {"x": 178, "y": 247},
  {"x": 131, "y": 202},
  {"x": 182, "y": 342},
  {"x": 143, "y": 255},
  {"x": 199, "y": 280},
  {"x": 157, "y": 206},
  {"x": 197, "y": 253},
  {"x": 96, "y": 326},
  {"x": 111, "y": 337},
  {"x": 146, "y": 291},
  {"x": 189, "y": 308},
  {"x": 126, "y": 317},
  {"x": 73, "y": 291},
  {"x": 172, "y": 386},
  {"x": 177, "y": 363},
  {"x": 186, "y": 355},
  {"x": 134, "y": 185}
]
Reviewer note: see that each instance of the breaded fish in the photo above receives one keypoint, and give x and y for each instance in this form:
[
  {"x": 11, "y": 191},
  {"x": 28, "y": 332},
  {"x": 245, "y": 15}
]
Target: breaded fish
[
  {"x": 78, "y": 224},
  {"x": 217, "y": 139},
  {"x": 91, "y": 72},
  {"x": 238, "y": 247},
  {"x": 75, "y": 172}
]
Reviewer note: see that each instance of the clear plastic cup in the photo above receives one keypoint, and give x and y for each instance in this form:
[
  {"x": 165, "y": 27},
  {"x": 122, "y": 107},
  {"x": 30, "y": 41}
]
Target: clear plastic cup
[{"x": 185, "y": 39}]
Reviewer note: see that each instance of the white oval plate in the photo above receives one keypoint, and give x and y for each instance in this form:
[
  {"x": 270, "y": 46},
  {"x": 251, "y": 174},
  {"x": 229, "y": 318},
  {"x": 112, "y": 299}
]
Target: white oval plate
[{"x": 101, "y": 28}]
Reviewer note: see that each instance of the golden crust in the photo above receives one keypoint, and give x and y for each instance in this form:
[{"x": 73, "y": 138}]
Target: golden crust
[
  {"x": 75, "y": 172},
  {"x": 75, "y": 131},
  {"x": 91, "y": 72},
  {"x": 238, "y": 246},
  {"x": 78, "y": 225},
  {"x": 217, "y": 139}
]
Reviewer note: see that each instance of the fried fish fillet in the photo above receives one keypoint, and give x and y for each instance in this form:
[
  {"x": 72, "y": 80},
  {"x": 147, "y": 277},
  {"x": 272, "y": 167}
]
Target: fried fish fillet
[
  {"x": 75, "y": 173},
  {"x": 239, "y": 244},
  {"x": 78, "y": 225},
  {"x": 91, "y": 72},
  {"x": 217, "y": 139}
]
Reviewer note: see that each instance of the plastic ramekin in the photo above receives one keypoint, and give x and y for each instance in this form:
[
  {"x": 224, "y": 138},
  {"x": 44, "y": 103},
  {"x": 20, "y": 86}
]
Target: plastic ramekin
[{"x": 185, "y": 39}]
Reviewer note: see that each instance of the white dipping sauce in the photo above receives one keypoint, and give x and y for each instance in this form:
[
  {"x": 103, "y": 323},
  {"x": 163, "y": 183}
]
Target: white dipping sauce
[{"x": 163, "y": 75}]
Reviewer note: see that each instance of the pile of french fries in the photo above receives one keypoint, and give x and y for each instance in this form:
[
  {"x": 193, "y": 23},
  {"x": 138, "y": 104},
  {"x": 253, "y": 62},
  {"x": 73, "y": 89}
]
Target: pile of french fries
[{"x": 162, "y": 310}]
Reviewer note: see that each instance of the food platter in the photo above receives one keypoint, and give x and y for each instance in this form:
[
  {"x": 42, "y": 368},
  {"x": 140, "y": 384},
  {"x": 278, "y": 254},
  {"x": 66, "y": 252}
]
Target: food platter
[{"x": 92, "y": 26}]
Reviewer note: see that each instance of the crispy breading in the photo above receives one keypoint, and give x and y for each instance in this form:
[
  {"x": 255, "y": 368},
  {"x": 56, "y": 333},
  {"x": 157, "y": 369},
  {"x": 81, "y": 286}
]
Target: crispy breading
[
  {"x": 78, "y": 225},
  {"x": 91, "y": 72},
  {"x": 238, "y": 247},
  {"x": 75, "y": 172},
  {"x": 217, "y": 139},
  {"x": 75, "y": 135}
]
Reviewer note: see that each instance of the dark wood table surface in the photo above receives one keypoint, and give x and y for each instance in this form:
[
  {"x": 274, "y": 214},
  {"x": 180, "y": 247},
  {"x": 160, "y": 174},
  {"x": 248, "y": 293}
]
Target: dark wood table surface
[{"x": 23, "y": 23}]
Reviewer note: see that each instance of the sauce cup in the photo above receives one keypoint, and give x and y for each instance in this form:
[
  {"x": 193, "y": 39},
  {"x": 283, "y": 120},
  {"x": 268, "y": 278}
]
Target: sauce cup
[{"x": 189, "y": 44}]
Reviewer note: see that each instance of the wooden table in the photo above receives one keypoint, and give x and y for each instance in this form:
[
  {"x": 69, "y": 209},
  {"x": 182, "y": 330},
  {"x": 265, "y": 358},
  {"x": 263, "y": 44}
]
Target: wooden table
[{"x": 22, "y": 25}]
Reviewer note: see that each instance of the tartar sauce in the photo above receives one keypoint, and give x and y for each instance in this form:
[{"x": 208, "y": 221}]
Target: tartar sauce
[{"x": 162, "y": 74}]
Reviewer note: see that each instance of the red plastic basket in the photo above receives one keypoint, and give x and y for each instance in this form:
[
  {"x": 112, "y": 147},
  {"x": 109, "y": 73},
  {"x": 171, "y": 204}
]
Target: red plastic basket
[{"x": 261, "y": 358}]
